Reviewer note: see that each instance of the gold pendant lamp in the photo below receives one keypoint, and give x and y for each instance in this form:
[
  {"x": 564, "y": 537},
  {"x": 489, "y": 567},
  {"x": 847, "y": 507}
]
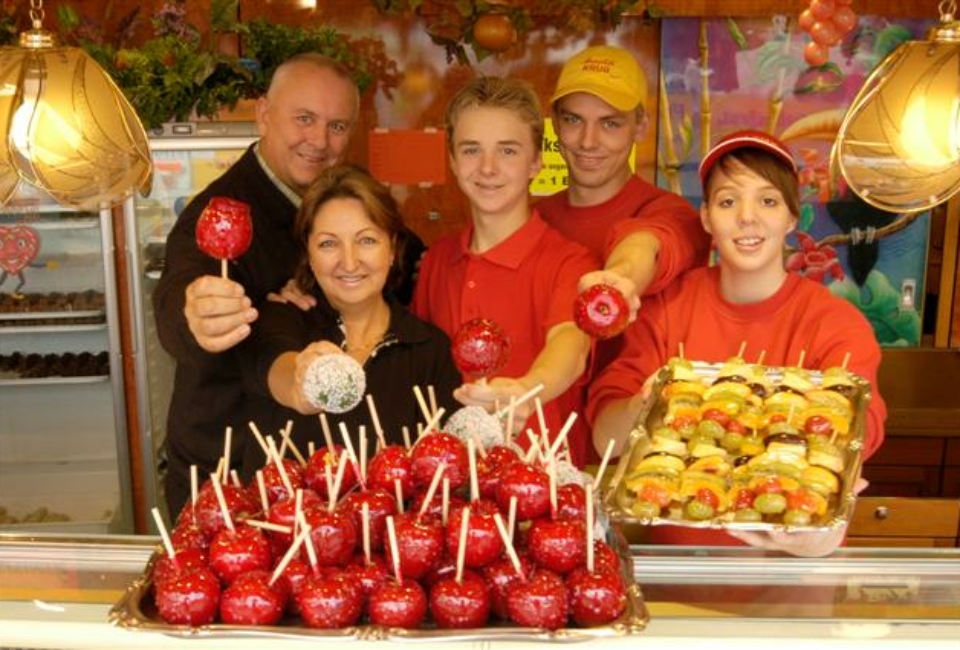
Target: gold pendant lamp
[
  {"x": 898, "y": 146},
  {"x": 65, "y": 127}
]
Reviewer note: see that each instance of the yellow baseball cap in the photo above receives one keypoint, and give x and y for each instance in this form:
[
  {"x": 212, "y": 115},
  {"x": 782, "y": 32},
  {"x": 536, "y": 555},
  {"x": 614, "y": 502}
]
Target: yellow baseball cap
[{"x": 610, "y": 73}]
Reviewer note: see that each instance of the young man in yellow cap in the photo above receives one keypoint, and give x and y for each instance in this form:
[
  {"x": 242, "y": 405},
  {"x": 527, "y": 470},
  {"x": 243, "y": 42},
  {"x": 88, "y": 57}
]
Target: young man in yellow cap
[{"x": 645, "y": 236}]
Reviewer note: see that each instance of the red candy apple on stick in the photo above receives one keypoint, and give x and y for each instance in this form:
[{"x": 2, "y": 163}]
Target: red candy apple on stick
[
  {"x": 398, "y": 602},
  {"x": 224, "y": 230},
  {"x": 596, "y": 597},
  {"x": 480, "y": 349},
  {"x": 188, "y": 593},
  {"x": 461, "y": 601},
  {"x": 601, "y": 311}
]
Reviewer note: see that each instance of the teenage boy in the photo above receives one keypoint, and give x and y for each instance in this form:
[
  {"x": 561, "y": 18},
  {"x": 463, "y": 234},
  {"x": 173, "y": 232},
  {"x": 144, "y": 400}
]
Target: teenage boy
[
  {"x": 508, "y": 265},
  {"x": 645, "y": 236}
]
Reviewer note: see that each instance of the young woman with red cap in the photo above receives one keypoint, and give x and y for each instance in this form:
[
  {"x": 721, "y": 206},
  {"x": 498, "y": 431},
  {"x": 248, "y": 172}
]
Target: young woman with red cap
[{"x": 751, "y": 203}]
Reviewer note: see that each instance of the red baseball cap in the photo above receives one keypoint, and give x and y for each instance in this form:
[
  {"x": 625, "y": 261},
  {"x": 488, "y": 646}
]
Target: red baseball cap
[{"x": 745, "y": 140}]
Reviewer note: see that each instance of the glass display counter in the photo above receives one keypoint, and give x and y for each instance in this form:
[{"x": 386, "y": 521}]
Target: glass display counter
[{"x": 56, "y": 593}]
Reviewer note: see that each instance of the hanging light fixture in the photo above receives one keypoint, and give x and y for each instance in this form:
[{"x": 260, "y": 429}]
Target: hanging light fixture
[
  {"x": 65, "y": 127},
  {"x": 898, "y": 146}
]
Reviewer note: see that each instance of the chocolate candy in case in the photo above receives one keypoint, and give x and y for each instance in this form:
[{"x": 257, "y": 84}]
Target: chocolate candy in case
[{"x": 619, "y": 499}]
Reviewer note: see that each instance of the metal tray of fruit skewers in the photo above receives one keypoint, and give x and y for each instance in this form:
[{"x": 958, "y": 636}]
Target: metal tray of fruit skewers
[
  {"x": 678, "y": 471},
  {"x": 136, "y": 610}
]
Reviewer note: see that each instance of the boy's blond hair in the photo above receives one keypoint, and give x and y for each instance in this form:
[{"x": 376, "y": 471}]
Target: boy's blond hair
[{"x": 508, "y": 93}]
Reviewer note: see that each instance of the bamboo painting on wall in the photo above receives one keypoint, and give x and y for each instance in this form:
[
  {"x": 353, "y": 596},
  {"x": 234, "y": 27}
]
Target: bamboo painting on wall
[{"x": 724, "y": 74}]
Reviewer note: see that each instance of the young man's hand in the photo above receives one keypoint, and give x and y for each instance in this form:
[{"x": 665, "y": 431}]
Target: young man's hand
[{"x": 218, "y": 312}]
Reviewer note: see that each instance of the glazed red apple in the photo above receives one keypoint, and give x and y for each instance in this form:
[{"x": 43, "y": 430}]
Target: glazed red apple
[
  {"x": 284, "y": 513},
  {"x": 460, "y": 605},
  {"x": 420, "y": 543},
  {"x": 389, "y": 464},
  {"x": 480, "y": 348},
  {"x": 209, "y": 517},
  {"x": 252, "y": 600},
  {"x": 185, "y": 560},
  {"x": 559, "y": 545},
  {"x": 369, "y": 575},
  {"x": 334, "y": 536},
  {"x": 435, "y": 448},
  {"x": 601, "y": 311},
  {"x": 490, "y": 466},
  {"x": 484, "y": 544},
  {"x": 571, "y": 502},
  {"x": 224, "y": 229},
  {"x": 315, "y": 474},
  {"x": 605, "y": 559},
  {"x": 380, "y": 505},
  {"x": 276, "y": 489},
  {"x": 189, "y": 598},
  {"x": 189, "y": 536},
  {"x": 500, "y": 576},
  {"x": 330, "y": 602},
  {"x": 540, "y": 601},
  {"x": 398, "y": 605},
  {"x": 595, "y": 598},
  {"x": 233, "y": 552},
  {"x": 530, "y": 486},
  {"x": 296, "y": 574}
]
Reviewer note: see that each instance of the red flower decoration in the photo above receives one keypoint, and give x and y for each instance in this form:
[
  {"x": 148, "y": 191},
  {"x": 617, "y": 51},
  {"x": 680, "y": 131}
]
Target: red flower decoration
[{"x": 815, "y": 261}]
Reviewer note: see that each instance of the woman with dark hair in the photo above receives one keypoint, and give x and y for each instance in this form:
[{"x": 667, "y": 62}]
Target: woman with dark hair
[{"x": 351, "y": 238}]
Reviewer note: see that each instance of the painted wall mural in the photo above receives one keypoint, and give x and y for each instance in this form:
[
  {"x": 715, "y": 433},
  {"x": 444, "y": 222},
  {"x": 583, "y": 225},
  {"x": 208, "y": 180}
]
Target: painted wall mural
[{"x": 724, "y": 74}]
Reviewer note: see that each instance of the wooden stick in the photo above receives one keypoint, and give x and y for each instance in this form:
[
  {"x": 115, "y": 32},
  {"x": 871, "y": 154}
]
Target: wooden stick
[
  {"x": 327, "y": 434},
  {"x": 259, "y": 438},
  {"x": 377, "y": 429},
  {"x": 474, "y": 479},
  {"x": 365, "y": 531},
  {"x": 589, "y": 508},
  {"x": 398, "y": 490},
  {"x": 434, "y": 421},
  {"x": 512, "y": 516},
  {"x": 262, "y": 489},
  {"x": 223, "y": 503},
  {"x": 508, "y": 546},
  {"x": 763, "y": 354},
  {"x": 363, "y": 454},
  {"x": 406, "y": 437},
  {"x": 607, "y": 453},
  {"x": 268, "y": 525},
  {"x": 552, "y": 476},
  {"x": 338, "y": 482},
  {"x": 227, "y": 444},
  {"x": 803, "y": 355},
  {"x": 743, "y": 348},
  {"x": 846, "y": 360},
  {"x": 288, "y": 556},
  {"x": 517, "y": 401},
  {"x": 235, "y": 478},
  {"x": 223, "y": 268},
  {"x": 680, "y": 348},
  {"x": 563, "y": 434},
  {"x": 541, "y": 418},
  {"x": 462, "y": 548},
  {"x": 164, "y": 535},
  {"x": 427, "y": 413},
  {"x": 278, "y": 462},
  {"x": 445, "y": 501},
  {"x": 308, "y": 540},
  {"x": 194, "y": 490},
  {"x": 348, "y": 444},
  {"x": 394, "y": 549},
  {"x": 288, "y": 442},
  {"x": 432, "y": 396},
  {"x": 434, "y": 483}
]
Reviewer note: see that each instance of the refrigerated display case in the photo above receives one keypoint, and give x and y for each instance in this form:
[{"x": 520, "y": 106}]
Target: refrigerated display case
[
  {"x": 64, "y": 461},
  {"x": 186, "y": 158}
]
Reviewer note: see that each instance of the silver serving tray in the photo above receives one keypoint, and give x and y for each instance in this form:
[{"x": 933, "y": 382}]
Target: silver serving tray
[
  {"x": 615, "y": 500},
  {"x": 136, "y": 611}
]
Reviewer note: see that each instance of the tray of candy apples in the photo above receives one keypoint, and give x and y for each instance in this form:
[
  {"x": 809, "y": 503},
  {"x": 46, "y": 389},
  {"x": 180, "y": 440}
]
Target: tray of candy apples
[
  {"x": 445, "y": 538},
  {"x": 743, "y": 446}
]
